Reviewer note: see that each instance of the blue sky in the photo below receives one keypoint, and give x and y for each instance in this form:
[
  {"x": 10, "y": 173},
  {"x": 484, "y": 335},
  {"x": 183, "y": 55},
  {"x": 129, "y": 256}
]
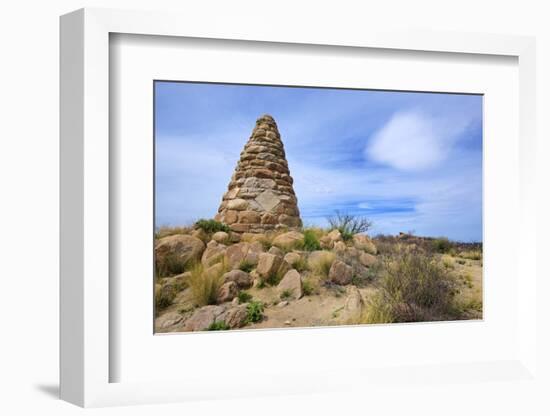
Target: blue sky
[{"x": 408, "y": 161}]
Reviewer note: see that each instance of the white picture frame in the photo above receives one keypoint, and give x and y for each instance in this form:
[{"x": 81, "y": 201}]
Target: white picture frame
[{"x": 85, "y": 207}]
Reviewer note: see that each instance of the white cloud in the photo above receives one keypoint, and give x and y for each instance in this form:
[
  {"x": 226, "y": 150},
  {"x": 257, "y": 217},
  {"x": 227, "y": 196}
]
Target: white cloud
[{"x": 414, "y": 141}]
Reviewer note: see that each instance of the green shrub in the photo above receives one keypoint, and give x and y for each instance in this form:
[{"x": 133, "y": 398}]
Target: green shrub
[
  {"x": 413, "y": 287},
  {"x": 204, "y": 285},
  {"x": 246, "y": 266},
  {"x": 244, "y": 297},
  {"x": 286, "y": 294},
  {"x": 254, "y": 311},
  {"x": 300, "y": 265},
  {"x": 441, "y": 245},
  {"x": 218, "y": 326},
  {"x": 211, "y": 226},
  {"x": 308, "y": 287},
  {"x": 311, "y": 242}
]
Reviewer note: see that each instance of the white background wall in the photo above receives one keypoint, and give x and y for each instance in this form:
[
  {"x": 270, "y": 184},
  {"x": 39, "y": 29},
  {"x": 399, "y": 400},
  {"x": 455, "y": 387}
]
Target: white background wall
[{"x": 29, "y": 206}]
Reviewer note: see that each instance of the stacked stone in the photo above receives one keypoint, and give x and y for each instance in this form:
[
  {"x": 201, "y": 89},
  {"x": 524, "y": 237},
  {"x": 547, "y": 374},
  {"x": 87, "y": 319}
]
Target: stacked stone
[{"x": 260, "y": 195}]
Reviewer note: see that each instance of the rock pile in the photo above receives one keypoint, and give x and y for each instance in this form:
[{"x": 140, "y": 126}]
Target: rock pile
[{"x": 260, "y": 195}]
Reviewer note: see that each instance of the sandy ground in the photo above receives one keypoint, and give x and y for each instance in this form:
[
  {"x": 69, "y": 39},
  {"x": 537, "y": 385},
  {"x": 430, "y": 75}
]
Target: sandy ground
[{"x": 326, "y": 307}]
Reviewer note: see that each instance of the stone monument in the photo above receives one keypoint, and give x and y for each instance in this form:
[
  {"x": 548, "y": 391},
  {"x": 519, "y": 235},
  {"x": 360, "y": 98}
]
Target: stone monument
[{"x": 260, "y": 196}]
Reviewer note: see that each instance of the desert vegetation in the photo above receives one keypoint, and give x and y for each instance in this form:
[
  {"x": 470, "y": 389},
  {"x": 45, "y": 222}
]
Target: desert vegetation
[{"x": 210, "y": 278}]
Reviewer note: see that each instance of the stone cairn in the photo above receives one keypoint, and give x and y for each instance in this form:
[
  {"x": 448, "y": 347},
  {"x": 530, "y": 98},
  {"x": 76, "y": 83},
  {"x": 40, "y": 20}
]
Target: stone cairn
[{"x": 260, "y": 195}]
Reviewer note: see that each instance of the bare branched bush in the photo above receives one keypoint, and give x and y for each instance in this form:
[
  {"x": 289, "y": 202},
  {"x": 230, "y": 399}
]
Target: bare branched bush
[{"x": 348, "y": 224}]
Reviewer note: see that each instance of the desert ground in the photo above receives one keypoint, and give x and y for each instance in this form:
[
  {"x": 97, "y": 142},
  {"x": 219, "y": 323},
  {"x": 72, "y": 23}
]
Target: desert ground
[{"x": 210, "y": 278}]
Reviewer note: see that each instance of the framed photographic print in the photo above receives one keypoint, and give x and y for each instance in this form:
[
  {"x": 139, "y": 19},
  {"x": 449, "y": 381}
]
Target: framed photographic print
[{"x": 341, "y": 204}]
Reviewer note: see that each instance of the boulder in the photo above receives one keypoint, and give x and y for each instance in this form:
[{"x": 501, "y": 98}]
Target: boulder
[
  {"x": 203, "y": 318},
  {"x": 220, "y": 237},
  {"x": 367, "y": 259},
  {"x": 289, "y": 240},
  {"x": 242, "y": 279},
  {"x": 200, "y": 234},
  {"x": 363, "y": 242},
  {"x": 244, "y": 251},
  {"x": 268, "y": 264},
  {"x": 236, "y": 316},
  {"x": 168, "y": 320},
  {"x": 227, "y": 292},
  {"x": 353, "y": 306},
  {"x": 339, "y": 247},
  {"x": 335, "y": 235},
  {"x": 214, "y": 270},
  {"x": 340, "y": 273},
  {"x": 326, "y": 243},
  {"x": 292, "y": 258},
  {"x": 291, "y": 282},
  {"x": 237, "y": 204},
  {"x": 184, "y": 248},
  {"x": 213, "y": 254},
  {"x": 275, "y": 250}
]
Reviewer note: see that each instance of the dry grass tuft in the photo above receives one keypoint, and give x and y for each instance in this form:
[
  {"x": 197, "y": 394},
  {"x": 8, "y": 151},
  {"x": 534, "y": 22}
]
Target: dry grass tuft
[{"x": 204, "y": 284}]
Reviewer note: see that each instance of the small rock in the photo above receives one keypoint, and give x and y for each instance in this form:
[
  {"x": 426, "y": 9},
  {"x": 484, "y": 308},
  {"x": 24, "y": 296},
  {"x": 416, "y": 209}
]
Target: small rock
[
  {"x": 235, "y": 301},
  {"x": 220, "y": 237},
  {"x": 340, "y": 273},
  {"x": 288, "y": 323},
  {"x": 227, "y": 292},
  {"x": 282, "y": 304}
]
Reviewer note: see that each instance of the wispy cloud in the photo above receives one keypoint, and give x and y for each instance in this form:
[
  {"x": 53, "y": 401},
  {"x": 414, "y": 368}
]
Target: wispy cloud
[{"x": 413, "y": 140}]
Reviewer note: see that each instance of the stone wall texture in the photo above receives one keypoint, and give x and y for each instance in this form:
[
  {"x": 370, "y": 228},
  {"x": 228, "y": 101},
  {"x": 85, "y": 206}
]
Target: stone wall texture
[{"x": 260, "y": 196}]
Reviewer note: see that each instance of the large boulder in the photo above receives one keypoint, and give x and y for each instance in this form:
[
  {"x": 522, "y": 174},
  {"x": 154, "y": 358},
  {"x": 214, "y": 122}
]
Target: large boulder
[
  {"x": 353, "y": 306},
  {"x": 168, "y": 320},
  {"x": 367, "y": 259},
  {"x": 220, "y": 237},
  {"x": 268, "y": 264},
  {"x": 289, "y": 240},
  {"x": 340, "y": 273},
  {"x": 363, "y": 242},
  {"x": 292, "y": 258},
  {"x": 203, "y": 318},
  {"x": 227, "y": 292},
  {"x": 291, "y": 283},
  {"x": 236, "y": 316},
  {"x": 248, "y": 252},
  {"x": 242, "y": 279},
  {"x": 213, "y": 254},
  {"x": 181, "y": 248}
]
